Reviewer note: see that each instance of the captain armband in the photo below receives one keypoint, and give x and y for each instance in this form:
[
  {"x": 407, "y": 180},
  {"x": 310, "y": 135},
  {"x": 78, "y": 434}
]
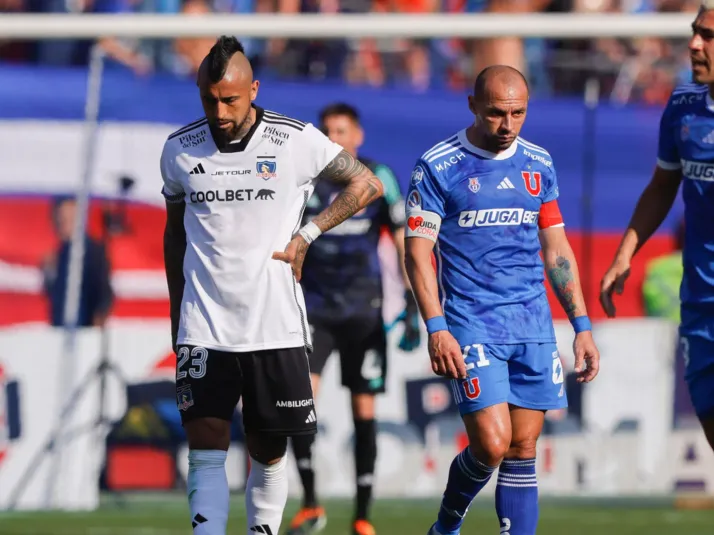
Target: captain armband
[
  {"x": 423, "y": 224},
  {"x": 550, "y": 215}
]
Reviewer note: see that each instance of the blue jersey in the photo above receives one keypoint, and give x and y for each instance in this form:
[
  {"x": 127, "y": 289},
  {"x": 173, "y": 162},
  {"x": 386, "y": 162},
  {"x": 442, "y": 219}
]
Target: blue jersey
[
  {"x": 686, "y": 142},
  {"x": 342, "y": 275},
  {"x": 482, "y": 210}
]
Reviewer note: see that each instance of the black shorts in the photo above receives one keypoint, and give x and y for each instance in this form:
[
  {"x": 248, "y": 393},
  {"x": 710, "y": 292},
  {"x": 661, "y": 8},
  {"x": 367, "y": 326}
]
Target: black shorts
[
  {"x": 274, "y": 385},
  {"x": 362, "y": 345}
]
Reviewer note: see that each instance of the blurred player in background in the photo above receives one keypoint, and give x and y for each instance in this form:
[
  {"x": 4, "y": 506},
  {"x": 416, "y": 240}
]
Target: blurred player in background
[
  {"x": 236, "y": 184},
  {"x": 485, "y": 201},
  {"x": 343, "y": 293},
  {"x": 686, "y": 150}
]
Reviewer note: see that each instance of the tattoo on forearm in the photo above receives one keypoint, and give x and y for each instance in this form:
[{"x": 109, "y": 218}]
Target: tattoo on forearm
[
  {"x": 344, "y": 169},
  {"x": 563, "y": 281}
]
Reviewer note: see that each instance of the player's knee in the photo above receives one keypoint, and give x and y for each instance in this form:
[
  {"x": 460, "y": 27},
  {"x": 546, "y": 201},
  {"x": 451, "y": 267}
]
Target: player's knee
[
  {"x": 208, "y": 434},
  {"x": 522, "y": 448},
  {"x": 363, "y": 406},
  {"x": 266, "y": 449},
  {"x": 492, "y": 449}
]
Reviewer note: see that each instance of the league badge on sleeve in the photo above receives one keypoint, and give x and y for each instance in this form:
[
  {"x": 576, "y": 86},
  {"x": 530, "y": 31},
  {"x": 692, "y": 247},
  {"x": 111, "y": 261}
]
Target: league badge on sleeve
[
  {"x": 417, "y": 175},
  {"x": 414, "y": 201}
]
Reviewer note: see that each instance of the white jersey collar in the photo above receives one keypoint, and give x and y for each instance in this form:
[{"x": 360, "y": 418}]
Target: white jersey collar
[{"x": 510, "y": 151}]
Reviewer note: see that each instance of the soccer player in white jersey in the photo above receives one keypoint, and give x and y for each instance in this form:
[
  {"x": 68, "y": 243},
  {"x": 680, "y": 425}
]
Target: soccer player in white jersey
[
  {"x": 236, "y": 184},
  {"x": 485, "y": 201},
  {"x": 685, "y": 155}
]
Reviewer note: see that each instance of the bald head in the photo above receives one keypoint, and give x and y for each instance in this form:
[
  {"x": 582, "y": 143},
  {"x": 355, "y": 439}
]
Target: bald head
[
  {"x": 499, "y": 103},
  {"x": 500, "y": 81},
  {"x": 225, "y": 80}
]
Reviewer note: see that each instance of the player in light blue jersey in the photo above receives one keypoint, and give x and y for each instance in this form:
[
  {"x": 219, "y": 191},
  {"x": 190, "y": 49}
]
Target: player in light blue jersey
[
  {"x": 685, "y": 155},
  {"x": 485, "y": 202}
]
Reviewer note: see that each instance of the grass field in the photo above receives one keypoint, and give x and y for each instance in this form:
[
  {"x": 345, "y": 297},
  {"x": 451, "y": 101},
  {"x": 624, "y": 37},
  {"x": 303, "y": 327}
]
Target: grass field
[{"x": 151, "y": 516}]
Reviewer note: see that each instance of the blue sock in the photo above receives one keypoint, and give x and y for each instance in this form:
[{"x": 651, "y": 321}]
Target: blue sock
[
  {"x": 467, "y": 476},
  {"x": 517, "y": 496}
]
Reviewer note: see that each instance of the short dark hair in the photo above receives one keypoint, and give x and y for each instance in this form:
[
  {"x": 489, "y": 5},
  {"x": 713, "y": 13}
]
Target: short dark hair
[
  {"x": 219, "y": 56},
  {"x": 339, "y": 108}
]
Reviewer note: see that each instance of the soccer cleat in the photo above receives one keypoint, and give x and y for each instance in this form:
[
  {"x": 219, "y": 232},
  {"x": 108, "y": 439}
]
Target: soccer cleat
[
  {"x": 362, "y": 527},
  {"x": 307, "y": 521},
  {"x": 433, "y": 531}
]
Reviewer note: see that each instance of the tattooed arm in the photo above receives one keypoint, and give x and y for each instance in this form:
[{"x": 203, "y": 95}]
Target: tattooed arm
[
  {"x": 562, "y": 271},
  {"x": 361, "y": 188}
]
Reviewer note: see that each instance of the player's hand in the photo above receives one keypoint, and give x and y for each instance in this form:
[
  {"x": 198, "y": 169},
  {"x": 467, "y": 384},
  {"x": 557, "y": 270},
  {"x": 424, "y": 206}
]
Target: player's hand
[
  {"x": 294, "y": 255},
  {"x": 587, "y": 357},
  {"x": 446, "y": 357},
  {"x": 613, "y": 281}
]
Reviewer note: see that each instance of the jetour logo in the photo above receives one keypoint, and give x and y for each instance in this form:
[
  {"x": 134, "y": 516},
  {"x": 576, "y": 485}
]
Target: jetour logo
[{"x": 10, "y": 429}]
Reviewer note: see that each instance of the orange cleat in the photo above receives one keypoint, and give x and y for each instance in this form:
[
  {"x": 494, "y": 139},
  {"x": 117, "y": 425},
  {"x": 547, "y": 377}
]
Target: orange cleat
[
  {"x": 307, "y": 521},
  {"x": 362, "y": 527}
]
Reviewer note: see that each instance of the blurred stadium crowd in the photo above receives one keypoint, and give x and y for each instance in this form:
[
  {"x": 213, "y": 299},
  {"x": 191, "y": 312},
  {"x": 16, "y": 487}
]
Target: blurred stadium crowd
[{"x": 640, "y": 70}]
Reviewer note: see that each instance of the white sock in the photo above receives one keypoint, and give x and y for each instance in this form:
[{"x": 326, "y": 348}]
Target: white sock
[
  {"x": 208, "y": 495},
  {"x": 265, "y": 496}
]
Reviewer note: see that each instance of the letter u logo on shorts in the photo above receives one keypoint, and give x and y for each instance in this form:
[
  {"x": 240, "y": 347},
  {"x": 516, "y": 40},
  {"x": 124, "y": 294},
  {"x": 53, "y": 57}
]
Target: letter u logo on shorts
[{"x": 472, "y": 388}]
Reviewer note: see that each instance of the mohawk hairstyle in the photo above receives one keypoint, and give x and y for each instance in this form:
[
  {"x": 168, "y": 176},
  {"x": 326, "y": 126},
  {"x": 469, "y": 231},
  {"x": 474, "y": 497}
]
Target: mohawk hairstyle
[{"x": 219, "y": 56}]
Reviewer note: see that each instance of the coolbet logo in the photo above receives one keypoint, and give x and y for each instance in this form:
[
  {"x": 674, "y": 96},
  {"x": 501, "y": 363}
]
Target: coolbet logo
[
  {"x": 698, "y": 170},
  {"x": 423, "y": 225},
  {"x": 10, "y": 429},
  {"x": 496, "y": 217},
  {"x": 230, "y": 195},
  {"x": 266, "y": 169}
]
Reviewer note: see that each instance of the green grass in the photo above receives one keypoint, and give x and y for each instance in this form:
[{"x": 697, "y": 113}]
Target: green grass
[{"x": 146, "y": 515}]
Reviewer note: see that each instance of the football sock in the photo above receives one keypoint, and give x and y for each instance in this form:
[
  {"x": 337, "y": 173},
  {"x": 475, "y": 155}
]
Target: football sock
[
  {"x": 302, "y": 448},
  {"x": 517, "y": 496},
  {"x": 265, "y": 496},
  {"x": 365, "y": 460},
  {"x": 467, "y": 476},
  {"x": 207, "y": 487}
]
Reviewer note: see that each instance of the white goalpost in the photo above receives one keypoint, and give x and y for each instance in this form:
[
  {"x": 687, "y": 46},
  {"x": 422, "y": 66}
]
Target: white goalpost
[{"x": 42, "y": 27}]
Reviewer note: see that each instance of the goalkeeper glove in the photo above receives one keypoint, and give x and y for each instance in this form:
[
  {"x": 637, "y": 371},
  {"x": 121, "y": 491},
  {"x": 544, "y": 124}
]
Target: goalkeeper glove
[{"x": 412, "y": 336}]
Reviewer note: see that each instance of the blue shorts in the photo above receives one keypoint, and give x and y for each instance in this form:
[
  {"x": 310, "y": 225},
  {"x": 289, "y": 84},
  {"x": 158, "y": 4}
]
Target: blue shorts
[
  {"x": 525, "y": 375},
  {"x": 698, "y": 354}
]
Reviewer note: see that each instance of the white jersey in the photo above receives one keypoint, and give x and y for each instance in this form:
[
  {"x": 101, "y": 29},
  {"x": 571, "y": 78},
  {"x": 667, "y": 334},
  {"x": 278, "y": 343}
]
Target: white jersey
[{"x": 243, "y": 203}]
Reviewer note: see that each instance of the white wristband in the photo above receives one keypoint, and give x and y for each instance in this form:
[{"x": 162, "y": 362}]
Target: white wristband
[{"x": 310, "y": 232}]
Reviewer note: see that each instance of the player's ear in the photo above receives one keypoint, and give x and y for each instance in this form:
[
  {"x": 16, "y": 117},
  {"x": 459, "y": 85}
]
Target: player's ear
[
  {"x": 472, "y": 104},
  {"x": 254, "y": 90}
]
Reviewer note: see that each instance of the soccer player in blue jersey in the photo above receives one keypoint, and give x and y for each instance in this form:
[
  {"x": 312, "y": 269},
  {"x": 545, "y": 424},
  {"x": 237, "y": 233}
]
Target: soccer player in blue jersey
[
  {"x": 485, "y": 202},
  {"x": 685, "y": 155},
  {"x": 342, "y": 283}
]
